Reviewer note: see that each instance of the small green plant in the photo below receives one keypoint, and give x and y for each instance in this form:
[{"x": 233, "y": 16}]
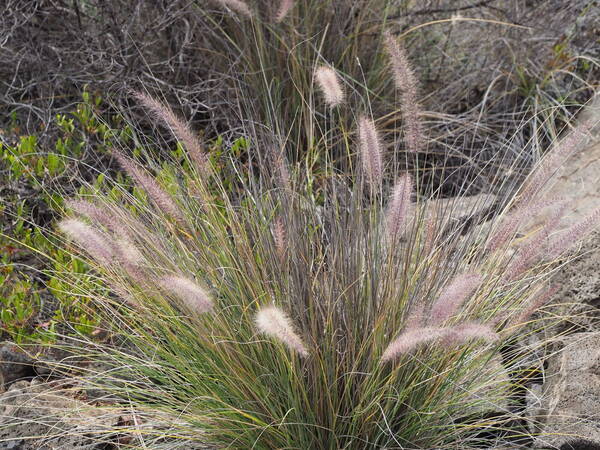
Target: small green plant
[
  {"x": 33, "y": 300},
  {"x": 326, "y": 312}
]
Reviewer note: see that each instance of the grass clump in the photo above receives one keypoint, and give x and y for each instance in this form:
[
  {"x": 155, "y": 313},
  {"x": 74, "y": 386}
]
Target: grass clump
[{"x": 328, "y": 311}]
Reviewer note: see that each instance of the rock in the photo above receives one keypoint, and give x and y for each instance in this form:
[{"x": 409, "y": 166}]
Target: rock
[
  {"x": 578, "y": 300},
  {"x": 580, "y": 444},
  {"x": 571, "y": 395},
  {"x": 463, "y": 211},
  {"x": 40, "y": 415},
  {"x": 56, "y": 415},
  {"x": 578, "y": 179},
  {"x": 14, "y": 365}
]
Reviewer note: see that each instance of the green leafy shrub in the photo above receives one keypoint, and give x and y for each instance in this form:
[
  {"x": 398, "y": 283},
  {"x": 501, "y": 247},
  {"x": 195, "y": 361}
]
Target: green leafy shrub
[{"x": 34, "y": 301}]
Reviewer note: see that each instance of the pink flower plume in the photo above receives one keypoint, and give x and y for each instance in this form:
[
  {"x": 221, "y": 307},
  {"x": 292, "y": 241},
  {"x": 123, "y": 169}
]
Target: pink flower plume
[
  {"x": 273, "y": 322},
  {"x": 453, "y": 296},
  {"x": 188, "y": 291},
  {"x": 330, "y": 86},
  {"x": 370, "y": 151}
]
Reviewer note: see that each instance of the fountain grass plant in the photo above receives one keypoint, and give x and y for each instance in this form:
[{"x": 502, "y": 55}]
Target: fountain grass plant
[{"x": 338, "y": 311}]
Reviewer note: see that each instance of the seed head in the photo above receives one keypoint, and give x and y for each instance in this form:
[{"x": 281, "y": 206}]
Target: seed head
[
  {"x": 187, "y": 290},
  {"x": 397, "y": 212},
  {"x": 406, "y": 82},
  {"x": 330, "y": 85},
  {"x": 512, "y": 221},
  {"x": 552, "y": 161},
  {"x": 453, "y": 296},
  {"x": 573, "y": 234},
  {"x": 409, "y": 340},
  {"x": 284, "y": 8},
  {"x": 533, "y": 304},
  {"x": 462, "y": 333},
  {"x": 238, "y": 6},
  {"x": 279, "y": 236},
  {"x": 370, "y": 151},
  {"x": 180, "y": 129},
  {"x": 415, "y": 337},
  {"x": 161, "y": 199},
  {"x": 91, "y": 240},
  {"x": 532, "y": 252},
  {"x": 273, "y": 322}
]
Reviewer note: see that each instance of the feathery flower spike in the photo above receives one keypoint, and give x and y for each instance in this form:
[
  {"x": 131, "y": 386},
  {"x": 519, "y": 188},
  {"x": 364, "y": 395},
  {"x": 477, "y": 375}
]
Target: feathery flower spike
[
  {"x": 511, "y": 223},
  {"x": 280, "y": 239},
  {"x": 460, "y": 334},
  {"x": 163, "y": 201},
  {"x": 187, "y": 290},
  {"x": 397, "y": 211},
  {"x": 553, "y": 160},
  {"x": 284, "y": 8},
  {"x": 131, "y": 259},
  {"x": 281, "y": 172},
  {"x": 406, "y": 82},
  {"x": 90, "y": 239},
  {"x": 453, "y": 296},
  {"x": 532, "y": 252},
  {"x": 180, "y": 129},
  {"x": 430, "y": 232},
  {"x": 104, "y": 217},
  {"x": 409, "y": 340},
  {"x": 237, "y": 6},
  {"x": 93, "y": 212},
  {"x": 273, "y": 322},
  {"x": 535, "y": 303},
  {"x": 571, "y": 235},
  {"x": 370, "y": 151},
  {"x": 330, "y": 85}
]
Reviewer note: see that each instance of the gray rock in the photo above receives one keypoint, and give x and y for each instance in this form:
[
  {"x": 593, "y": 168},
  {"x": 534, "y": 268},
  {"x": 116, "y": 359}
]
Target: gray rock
[
  {"x": 14, "y": 364},
  {"x": 39, "y": 415},
  {"x": 578, "y": 300},
  {"x": 45, "y": 415},
  {"x": 570, "y": 403}
]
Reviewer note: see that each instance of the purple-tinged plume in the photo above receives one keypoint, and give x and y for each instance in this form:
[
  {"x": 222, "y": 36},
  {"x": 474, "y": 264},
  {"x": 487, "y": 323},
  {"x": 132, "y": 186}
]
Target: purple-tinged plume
[
  {"x": 532, "y": 252},
  {"x": 571, "y": 235},
  {"x": 161, "y": 199},
  {"x": 330, "y": 85},
  {"x": 180, "y": 129},
  {"x": 279, "y": 235},
  {"x": 370, "y": 151},
  {"x": 273, "y": 322},
  {"x": 398, "y": 208},
  {"x": 430, "y": 235},
  {"x": 102, "y": 216},
  {"x": 553, "y": 160},
  {"x": 411, "y": 339},
  {"x": 285, "y": 6},
  {"x": 188, "y": 291},
  {"x": 280, "y": 167},
  {"x": 91, "y": 240},
  {"x": 238, "y": 6},
  {"x": 416, "y": 318},
  {"x": 511, "y": 223},
  {"x": 535, "y": 303},
  {"x": 415, "y": 337},
  {"x": 453, "y": 296},
  {"x": 131, "y": 260},
  {"x": 462, "y": 333},
  {"x": 406, "y": 82}
]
